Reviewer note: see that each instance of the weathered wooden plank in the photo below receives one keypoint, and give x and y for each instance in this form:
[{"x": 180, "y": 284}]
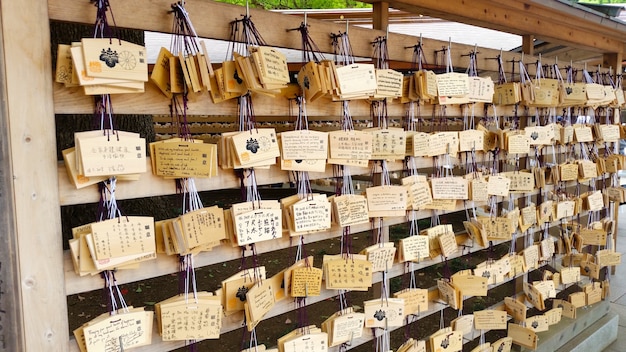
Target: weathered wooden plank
[
  {"x": 35, "y": 195},
  {"x": 11, "y": 321}
]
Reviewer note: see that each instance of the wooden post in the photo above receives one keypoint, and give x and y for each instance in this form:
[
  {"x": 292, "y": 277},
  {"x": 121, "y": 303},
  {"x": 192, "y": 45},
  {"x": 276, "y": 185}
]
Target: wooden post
[
  {"x": 380, "y": 15},
  {"x": 528, "y": 44},
  {"x": 11, "y": 324},
  {"x": 30, "y": 138},
  {"x": 613, "y": 60}
]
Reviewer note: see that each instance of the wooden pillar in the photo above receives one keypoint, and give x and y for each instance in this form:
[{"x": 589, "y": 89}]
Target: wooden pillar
[
  {"x": 528, "y": 44},
  {"x": 33, "y": 182},
  {"x": 613, "y": 60},
  {"x": 11, "y": 324},
  {"x": 380, "y": 15}
]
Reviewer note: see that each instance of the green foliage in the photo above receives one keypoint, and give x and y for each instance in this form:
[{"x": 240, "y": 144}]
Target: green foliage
[
  {"x": 398, "y": 232},
  {"x": 395, "y": 284},
  {"x": 458, "y": 264},
  {"x": 299, "y": 4},
  {"x": 479, "y": 304}
]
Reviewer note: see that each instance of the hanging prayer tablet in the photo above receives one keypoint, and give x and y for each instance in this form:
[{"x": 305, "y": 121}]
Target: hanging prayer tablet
[
  {"x": 481, "y": 89},
  {"x": 258, "y": 225},
  {"x": 256, "y": 145},
  {"x": 471, "y": 140},
  {"x": 388, "y": 83},
  {"x": 64, "y": 68},
  {"x": 304, "y": 145},
  {"x": 414, "y": 248},
  {"x": 350, "y": 145},
  {"x": 380, "y": 255},
  {"x": 388, "y": 143},
  {"x": 489, "y": 319},
  {"x": 123, "y": 236},
  {"x": 111, "y": 153},
  {"x": 522, "y": 336},
  {"x": 306, "y": 282},
  {"x": 350, "y": 209},
  {"x": 346, "y": 327},
  {"x": 124, "y": 330},
  {"x": 446, "y": 341},
  {"x": 161, "y": 75},
  {"x": 356, "y": 81},
  {"x": 189, "y": 318},
  {"x": 349, "y": 274},
  {"x": 114, "y": 58},
  {"x": 384, "y": 313},
  {"x": 386, "y": 200},
  {"x": 450, "y": 188},
  {"x": 259, "y": 301},
  {"x": 415, "y": 299}
]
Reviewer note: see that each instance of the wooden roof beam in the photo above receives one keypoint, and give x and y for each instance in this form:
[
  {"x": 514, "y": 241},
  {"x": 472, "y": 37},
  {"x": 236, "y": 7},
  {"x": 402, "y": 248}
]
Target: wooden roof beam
[
  {"x": 567, "y": 11},
  {"x": 548, "y": 23}
]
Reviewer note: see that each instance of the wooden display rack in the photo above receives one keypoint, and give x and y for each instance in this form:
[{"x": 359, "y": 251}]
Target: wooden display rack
[{"x": 35, "y": 273}]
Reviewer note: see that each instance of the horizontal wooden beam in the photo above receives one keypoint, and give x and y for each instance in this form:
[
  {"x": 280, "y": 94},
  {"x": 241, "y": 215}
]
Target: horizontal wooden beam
[
  {"x": 153, "y": 16},
  {"x": 557, "y": 11},
  {"x": 569, "y": 13},
  {"x": 150, "y": 185},
  {"x": 153, "y": 102},
  {"x": 522, "y": 17},
  {"x": 360, "y": 16}
]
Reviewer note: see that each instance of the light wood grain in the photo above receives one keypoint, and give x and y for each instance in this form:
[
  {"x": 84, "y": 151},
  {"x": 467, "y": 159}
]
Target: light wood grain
[
  {"x": 150, "y": 185},
  {"x": 153, "y": 16},
  {"x": 31, "y": 136},
  {"x": 10, "y": 300},
  {"x": 525, "y": 17},
  {"x": 153, "y": 102}
]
